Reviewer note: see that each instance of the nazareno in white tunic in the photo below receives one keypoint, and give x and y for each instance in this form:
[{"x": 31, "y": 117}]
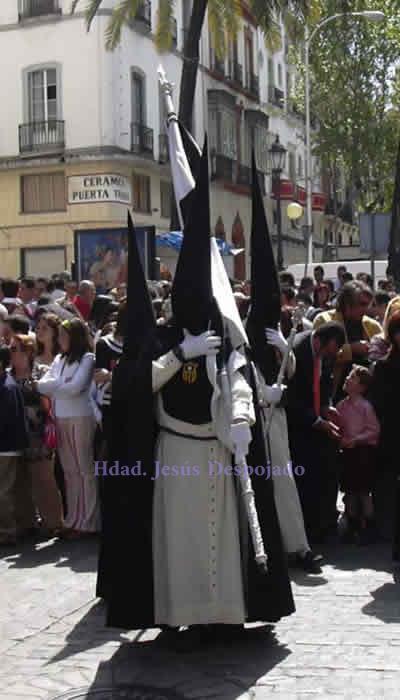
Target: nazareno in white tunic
[
  {"x": 196, "y": 548},
  {"x": 287, "y": 501}
]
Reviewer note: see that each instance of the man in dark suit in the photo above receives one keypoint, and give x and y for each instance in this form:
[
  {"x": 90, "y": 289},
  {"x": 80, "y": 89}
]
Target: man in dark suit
[{"x": 313, "y": 432}]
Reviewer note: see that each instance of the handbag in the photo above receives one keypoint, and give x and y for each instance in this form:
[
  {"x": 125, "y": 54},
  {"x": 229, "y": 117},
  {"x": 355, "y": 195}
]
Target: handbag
[{"x": 50, "y": 432}]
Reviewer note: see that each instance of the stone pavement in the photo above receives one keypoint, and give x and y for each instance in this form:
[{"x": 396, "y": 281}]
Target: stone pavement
[{"x": 343, "y": 641}]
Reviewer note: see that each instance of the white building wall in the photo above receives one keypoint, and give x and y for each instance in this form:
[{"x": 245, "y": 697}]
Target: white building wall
[
  {"x": 96, "y": 97},
  {"x": 8, "y": 12},
  {"x": 66, "y": 43}
]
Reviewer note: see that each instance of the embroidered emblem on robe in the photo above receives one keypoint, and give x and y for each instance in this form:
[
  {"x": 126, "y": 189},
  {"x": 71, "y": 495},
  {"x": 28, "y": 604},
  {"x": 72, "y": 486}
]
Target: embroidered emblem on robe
[{"x": 189, "y": 372}]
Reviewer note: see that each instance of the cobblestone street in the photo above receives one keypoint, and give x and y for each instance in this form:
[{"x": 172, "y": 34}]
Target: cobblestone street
[{"x": 343, "y": 641}]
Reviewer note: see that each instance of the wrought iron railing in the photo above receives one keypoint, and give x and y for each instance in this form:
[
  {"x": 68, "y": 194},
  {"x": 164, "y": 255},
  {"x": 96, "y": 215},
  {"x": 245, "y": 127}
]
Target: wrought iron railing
[
  {"x": 174, "y": 33},
  {"x": 252, "y": 84},
  {"x": 244, "y": 175},
  {"x": 236, "y": 72},
  {"x": 222, "y": 167},
  {"x": 41, "y": 136},
  {"x": 276, "y": 96},
  {"x": 36, "y": 8},
  {"x": 255, "y": 86},
  {"x": 143, "y": 13},
  {"x": 142, "y": 139},
  {"x": 227, "y": 169},
  {"x": 218, "y": 65}
]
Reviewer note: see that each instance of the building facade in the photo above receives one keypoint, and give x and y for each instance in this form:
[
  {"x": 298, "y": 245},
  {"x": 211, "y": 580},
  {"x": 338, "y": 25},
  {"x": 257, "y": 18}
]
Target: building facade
[{"x": 83, "y": 133}]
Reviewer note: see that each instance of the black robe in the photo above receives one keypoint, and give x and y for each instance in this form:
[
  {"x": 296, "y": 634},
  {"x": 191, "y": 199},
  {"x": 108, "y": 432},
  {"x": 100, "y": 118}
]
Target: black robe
[
  {"x": 384, "y": 395},
  {"x": 125, "y": 573},
  {"x": 310, "y": 449},
  {"x": 268, "y": 597},
  {"x": 125, "y": 567}
]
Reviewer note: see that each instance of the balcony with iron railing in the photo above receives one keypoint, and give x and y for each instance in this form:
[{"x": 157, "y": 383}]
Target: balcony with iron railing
[
  {"x": 163, "y": 151},
  {"x": 42, "y": 136},
  {"x": 142, "y": 140},
  {"x": 235, "y": 72},
  {"x": 143, "y": 13},
  {"x": 174, "y": 32},
  {"x": 244, "y": 177},
  {"x": 222, "y": 167},
  {"x": 218, "y": 66},
  {"x": 252, "y": 84},
  {"x": 276, "y": 96},
  {"x": 29, "y": 9},
  {"x": 230, "y": 171}
]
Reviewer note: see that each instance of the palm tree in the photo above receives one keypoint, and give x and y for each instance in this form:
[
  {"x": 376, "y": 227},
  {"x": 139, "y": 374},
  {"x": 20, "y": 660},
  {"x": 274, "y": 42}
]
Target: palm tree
[{"x": 223, "y": 17}]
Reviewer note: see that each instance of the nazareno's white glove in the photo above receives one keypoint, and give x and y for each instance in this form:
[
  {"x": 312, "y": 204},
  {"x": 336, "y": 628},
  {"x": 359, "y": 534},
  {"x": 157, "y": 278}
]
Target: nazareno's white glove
[
  {"x": 241, "y": 438},
  {"x": 276, "y": 338},
  {"x": 206, "y": 343},
  {"x": 273, "y": 394}
]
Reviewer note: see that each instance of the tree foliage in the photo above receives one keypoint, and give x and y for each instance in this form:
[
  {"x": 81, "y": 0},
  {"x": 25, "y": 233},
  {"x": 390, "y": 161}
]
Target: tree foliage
[
  {"x": 223, "y": 17},
  {"x": 355, "y": 95}
]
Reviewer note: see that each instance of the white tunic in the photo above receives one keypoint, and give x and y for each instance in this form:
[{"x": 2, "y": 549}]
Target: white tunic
[
  {"x": 287, "y": 502},
  {"x": 196, "y": 549}
]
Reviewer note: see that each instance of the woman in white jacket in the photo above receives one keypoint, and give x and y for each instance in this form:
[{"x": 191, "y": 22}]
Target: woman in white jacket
[{"x": 68, "y": 384}]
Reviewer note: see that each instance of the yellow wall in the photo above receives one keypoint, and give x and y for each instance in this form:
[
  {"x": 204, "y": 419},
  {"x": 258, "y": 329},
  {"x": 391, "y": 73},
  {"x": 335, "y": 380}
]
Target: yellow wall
[{"x": 19, "y": 230}]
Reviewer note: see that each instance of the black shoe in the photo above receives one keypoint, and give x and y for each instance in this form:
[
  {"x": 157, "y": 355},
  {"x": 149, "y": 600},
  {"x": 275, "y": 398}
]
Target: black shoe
[
  {"x": 195, "y": 638},
  {"x": 224, "y": 633},
  {"x": 168, "y": 628},
  {"x": 352, "y": 533},
  {"x": 309, "y": 562},
  {"x": 368, "y": 534}
]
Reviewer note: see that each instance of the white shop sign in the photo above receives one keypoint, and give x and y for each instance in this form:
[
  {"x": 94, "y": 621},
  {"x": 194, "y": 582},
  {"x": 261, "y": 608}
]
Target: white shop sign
[{"x": 84, "y": 189}]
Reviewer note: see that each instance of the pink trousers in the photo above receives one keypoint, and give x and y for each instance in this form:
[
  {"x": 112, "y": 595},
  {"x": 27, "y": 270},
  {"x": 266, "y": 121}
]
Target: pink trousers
[{"x": 75, "y": 438}]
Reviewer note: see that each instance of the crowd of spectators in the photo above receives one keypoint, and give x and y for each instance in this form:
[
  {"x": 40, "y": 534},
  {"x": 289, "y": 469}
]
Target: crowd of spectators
[{"x": 60, "y": 341}]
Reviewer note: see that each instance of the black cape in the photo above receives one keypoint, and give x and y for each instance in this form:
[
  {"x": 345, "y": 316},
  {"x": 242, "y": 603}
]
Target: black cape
[
  {"x": 268, "y": 597},
  {"x": 125, "y": 576},
  {"x": 125, "y": 568}
]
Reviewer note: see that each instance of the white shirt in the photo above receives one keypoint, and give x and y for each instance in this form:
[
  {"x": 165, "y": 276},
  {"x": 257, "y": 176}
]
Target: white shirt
[
  {"x": 3, "y": 312},
  {"x": 71, "y": 399},
  {"x": 57, "y": 294}
]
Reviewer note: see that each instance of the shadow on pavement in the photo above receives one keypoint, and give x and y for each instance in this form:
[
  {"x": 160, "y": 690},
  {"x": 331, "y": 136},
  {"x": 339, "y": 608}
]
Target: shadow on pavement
[
  {"x": 90, "y": 632},
  {"x": 223, "y": 671},
  {"x": 308, "y": 581},
  {"x": 351, "y": 557},
  {"x": 386, "y": 603},
  {"x": 80, "y": 555}
]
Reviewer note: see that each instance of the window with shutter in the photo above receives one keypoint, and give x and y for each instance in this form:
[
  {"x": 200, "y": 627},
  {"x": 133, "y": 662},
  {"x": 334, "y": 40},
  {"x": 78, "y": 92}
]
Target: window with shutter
[
  {"x": 165, "y": 197},
  {"x": 43, "y": 193},
  {"x": 141, "y": 193}
]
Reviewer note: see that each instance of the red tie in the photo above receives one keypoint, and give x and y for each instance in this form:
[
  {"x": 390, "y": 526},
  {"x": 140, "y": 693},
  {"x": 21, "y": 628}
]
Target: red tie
[{"x": 317, "y": 385}]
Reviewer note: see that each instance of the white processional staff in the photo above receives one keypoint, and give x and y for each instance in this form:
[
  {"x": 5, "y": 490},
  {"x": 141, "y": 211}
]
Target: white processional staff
[
  {"x": 182, "y": 178},
  {"x": 167, "y": 89},
  {"x": 183, "y": 183},
  {"x": 296, "y": 319},
  {"x": 247, "y": 489}
]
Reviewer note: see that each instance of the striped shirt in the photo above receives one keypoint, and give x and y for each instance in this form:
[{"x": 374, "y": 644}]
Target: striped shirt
[{"x": 108, "y": 352}]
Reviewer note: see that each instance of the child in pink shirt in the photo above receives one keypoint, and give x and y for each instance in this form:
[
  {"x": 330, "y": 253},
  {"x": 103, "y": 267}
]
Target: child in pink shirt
[{"x": 360, "y": 434}]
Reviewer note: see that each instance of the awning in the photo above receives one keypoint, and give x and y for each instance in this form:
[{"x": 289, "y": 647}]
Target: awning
[{"x": 173, "y": 239}]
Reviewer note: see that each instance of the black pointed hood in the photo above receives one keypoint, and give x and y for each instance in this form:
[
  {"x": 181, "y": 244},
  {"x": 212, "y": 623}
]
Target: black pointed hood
[
  {"x": 265, "y": 291},
  {"x": 141, "y": 321},
  {"x": 191, "y": 296}
]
